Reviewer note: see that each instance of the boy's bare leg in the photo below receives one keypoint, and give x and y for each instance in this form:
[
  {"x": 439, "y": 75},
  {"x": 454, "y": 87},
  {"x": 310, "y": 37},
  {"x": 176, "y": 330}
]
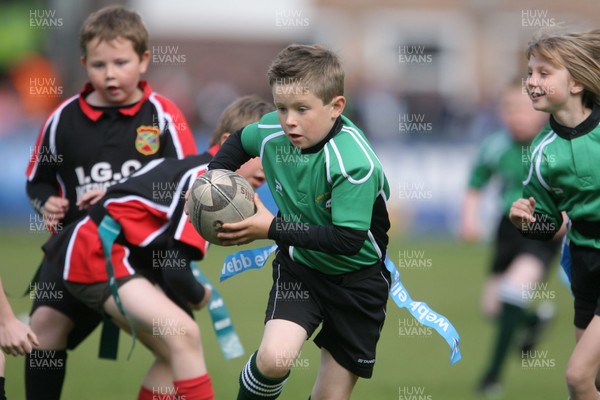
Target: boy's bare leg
[
  {"x": 584, "y": 363},
  {"x": 334, "y": 382}
]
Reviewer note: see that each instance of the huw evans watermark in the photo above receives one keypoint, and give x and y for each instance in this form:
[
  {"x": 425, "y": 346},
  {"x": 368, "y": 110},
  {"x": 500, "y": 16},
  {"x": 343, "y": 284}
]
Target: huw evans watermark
[
  {"x": 168, "y": 55},
  {"x": 291, "y": 18},
  {"x": 413, "y": 54},
  {"x": 44, "y": 19},
  {"x": 414, "y": 259},
  {"x": 413, "y": 393}
]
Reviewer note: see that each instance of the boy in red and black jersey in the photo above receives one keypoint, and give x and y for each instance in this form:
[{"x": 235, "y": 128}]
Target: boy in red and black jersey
[
  {"x": 91, "y": 141},
  {"x": 149, "y": 211},
  {"x": 84, "y": 149}
]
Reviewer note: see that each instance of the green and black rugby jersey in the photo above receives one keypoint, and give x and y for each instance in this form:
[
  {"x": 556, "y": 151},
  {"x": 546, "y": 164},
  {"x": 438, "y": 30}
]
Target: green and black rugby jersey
[
  {"x": 336, "y": 184},
  {"x": 501, "y": 157},
  {"x": 564, "y": 175}
]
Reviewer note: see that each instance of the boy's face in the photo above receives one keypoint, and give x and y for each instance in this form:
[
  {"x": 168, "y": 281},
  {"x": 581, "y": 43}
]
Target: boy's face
[
  {"x": 114, "y": 69},
  {"x": 252, "y": 170},
  {"x": 303, "y": 116},
  {"x": 521, "y": 120}
]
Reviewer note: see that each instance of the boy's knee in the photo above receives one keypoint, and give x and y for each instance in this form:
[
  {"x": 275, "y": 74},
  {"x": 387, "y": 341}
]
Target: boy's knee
[
  {"x": 52, "y": 327},
  {"x": 182, "y": 336},
  {"x": 576, "y": 376},
  {"x": 273, "y": 363}
]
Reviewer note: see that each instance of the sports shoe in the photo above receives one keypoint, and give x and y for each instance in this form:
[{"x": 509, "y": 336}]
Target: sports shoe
[
  {"x": 490, "y": 388},
  {"x": 533, "y": 333}
]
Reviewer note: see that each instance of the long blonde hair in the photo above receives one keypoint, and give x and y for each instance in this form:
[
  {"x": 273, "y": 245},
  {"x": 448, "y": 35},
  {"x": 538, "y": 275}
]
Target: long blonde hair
[{"x": 579, "y": 53}]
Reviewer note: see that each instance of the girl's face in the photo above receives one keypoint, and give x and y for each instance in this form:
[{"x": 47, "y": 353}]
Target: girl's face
[{"x": 551, "y": 88}]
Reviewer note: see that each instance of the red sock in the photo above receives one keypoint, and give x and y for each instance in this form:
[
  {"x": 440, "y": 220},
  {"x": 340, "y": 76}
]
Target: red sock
[
  {"x": 144, "y": 394},
  {"x": 199, "y": 388}
]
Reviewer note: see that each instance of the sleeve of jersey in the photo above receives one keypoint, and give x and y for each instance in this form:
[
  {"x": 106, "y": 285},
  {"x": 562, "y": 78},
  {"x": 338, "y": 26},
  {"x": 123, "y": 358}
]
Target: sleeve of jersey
[
  {"x": 184, "y": 231},
  {"x": 482, "y": 170},
  {"x": 182, "y": 282},
  {"x": 357, "y": 179},
  {"x": 180, "y": 142},
  {"x": 41, "y": 171},
  {"x": 325, "y": 238},
  {"x": 233, "y": 154},
  {"x": 140, "y": 222},
  {"x": 548, "y": 218},
  {"x": 187, "y": 234}
]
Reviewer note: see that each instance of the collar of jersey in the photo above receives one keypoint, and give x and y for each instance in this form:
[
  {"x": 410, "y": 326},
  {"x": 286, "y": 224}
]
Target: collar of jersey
[
  {"x": 94, "y": 113},
  {"x": 337, "y": 126},
  {"x": 588, "y": 125}
]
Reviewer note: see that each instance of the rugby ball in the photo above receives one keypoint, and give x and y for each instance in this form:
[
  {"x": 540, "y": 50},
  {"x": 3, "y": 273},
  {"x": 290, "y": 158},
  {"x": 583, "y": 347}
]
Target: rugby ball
[{"x": 217, "y": 197}]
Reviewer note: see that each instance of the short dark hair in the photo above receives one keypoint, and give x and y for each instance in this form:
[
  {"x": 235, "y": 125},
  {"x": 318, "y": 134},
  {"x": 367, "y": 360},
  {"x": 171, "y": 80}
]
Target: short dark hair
[
  {"x": 112, "y": 22},
  {"x": 312, "y": 66}
]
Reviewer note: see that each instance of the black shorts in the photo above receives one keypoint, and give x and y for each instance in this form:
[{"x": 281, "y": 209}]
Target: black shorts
[
  {"x": 509, "y": 243},
  {"x": 585, "y": 283},
  {"x": 351, "y": 308},
  {"x": 50, "y": 291},
  {"x": 142, "y": 261},
  {"x": 94, "y": 295}
]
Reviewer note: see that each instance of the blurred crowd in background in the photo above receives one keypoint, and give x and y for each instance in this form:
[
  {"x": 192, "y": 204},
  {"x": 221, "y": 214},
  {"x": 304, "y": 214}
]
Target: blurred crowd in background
[{"x": 422, "y": 76}]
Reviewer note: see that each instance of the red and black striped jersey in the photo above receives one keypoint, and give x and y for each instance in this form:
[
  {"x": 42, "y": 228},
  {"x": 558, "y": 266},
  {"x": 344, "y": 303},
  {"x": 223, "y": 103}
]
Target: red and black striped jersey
[
  {"x": 149, "y": 206},
  {"x": 81, "y": 147}
]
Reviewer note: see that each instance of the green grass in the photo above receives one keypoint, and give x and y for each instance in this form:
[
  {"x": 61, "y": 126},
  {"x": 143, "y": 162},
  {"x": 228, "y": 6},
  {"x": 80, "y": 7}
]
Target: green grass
[{"x": 417, "y": 365}]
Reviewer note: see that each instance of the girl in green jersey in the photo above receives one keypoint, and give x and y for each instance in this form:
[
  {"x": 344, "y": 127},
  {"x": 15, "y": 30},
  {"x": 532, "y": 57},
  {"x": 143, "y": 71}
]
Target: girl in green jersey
[{"x": 563, "y": 80}]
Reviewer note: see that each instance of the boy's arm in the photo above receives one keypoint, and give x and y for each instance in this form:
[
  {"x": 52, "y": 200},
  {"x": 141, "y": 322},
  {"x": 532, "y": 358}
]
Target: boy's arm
[
  {"x": 231, "y": 155},
  {"x": 182, "y": 281},
  {"x": 42, "y": 185},
  {"x": 38, "y": 193},
  {"x": 480, "y": 175},
  {"x": 326, "y": 238},
  {"x": 469, "y": 222},
  {"x": 41, "y": 174}
]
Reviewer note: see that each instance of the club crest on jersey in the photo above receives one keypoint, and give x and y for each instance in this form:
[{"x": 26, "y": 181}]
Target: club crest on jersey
[
  {"x": 324, "y": 200},
  {"x": 147, "y": 141}
]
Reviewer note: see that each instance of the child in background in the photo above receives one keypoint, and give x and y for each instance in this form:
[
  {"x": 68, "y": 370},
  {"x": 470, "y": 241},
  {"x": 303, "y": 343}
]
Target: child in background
[{"x": 519, "y": 264}]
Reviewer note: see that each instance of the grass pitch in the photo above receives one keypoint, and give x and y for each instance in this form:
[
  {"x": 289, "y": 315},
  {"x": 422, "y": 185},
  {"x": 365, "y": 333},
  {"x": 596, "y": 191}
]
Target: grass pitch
[{"x": 412, "y": 362}]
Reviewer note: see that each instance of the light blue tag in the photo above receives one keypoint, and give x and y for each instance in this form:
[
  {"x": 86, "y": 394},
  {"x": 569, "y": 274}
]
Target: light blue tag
[
  {"x": 565, "y": 257},
  {"x": 255, "y": 259},
  {"x": 109, "y": 230},
  {"x": 422, "y": 313},
  {"x": 244, "y": 260},
  {"x": 230, "y": 343},
  {"x": 565, "y": 261}
]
